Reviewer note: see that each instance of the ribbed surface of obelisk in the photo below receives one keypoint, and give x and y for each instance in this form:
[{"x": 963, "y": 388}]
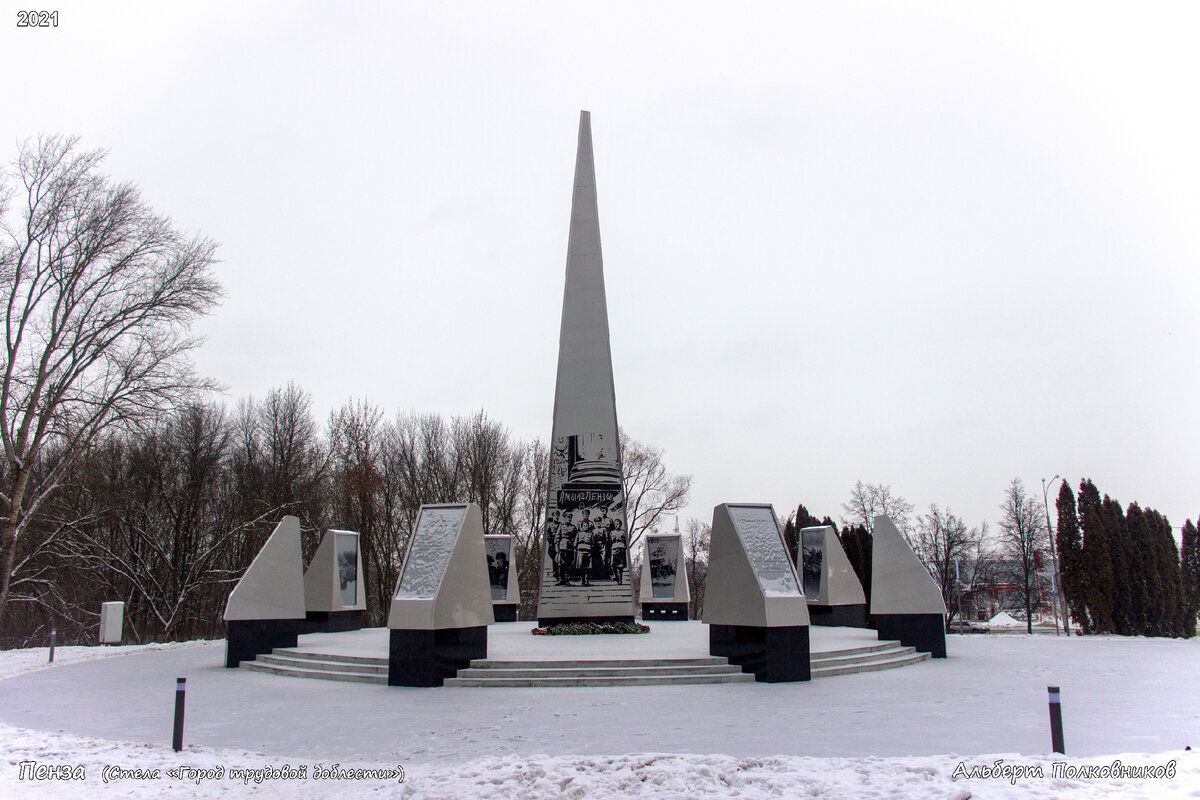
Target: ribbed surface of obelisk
[{"x": 585, "y": 554}]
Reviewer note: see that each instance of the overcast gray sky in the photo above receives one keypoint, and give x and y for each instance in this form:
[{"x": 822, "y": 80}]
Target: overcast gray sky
[{"x": 933, "y": 245}]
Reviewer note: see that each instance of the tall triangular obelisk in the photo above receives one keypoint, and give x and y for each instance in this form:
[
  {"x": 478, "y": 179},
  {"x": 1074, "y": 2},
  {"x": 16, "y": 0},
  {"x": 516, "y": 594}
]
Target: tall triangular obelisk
[{"x": 585, "y": 557}]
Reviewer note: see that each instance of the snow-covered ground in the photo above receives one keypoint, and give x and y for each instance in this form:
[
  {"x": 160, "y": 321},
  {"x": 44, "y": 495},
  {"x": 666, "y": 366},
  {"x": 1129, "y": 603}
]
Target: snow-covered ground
[{"x": 901, "y": 733}]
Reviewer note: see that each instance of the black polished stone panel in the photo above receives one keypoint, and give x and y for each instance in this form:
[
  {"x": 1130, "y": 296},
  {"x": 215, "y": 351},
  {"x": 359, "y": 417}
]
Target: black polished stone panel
[
  {"x": 504, "y": 612},
  {"x": 659, "y": 612},
  {"x": 332, "y": 621},
  {"x": 849, "y": 616},
  {"x": 542, "y": 623},
  {"x": 427, "y": 658},
  {"x": 773, "y": 655},
  {"x": 247, "y": 638},
  {"x": 925, "y": 632}
]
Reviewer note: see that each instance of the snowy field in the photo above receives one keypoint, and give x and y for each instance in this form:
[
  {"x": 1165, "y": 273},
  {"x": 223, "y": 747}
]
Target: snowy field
[{"x": 915, "y": 732}]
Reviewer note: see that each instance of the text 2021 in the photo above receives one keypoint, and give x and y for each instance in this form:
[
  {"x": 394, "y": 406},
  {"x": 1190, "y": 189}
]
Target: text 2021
[{"x": 37, "y": 19}]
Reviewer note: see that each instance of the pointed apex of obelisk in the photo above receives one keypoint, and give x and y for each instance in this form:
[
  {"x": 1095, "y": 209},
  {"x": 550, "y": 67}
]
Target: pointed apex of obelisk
[{"x": 583, "y": 198}]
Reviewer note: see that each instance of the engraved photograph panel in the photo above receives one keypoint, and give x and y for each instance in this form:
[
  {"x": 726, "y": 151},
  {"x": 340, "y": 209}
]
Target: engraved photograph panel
[
  {"x": 585, "y": 554},
  {"x": 346, "y": 547},
  {"x": 663, "y": 555},
  {"x": 812, "y": 544},
  {"x": 499, "y": 558},
  {"x": 757, "y": 528},
  {"x": 429, "y": 553}
]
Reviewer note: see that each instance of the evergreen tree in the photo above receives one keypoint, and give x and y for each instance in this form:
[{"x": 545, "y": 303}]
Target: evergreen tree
[
  {"x": 1070, "y": 558},
  {"x": 857, "y": 544},
  {"x": 791, "y": 538},
  {"x": 1097, "y": 561},
  {"x": 791, "y": 530},
  {"x": 1166, "y": 600},
  {"x": 1190, "y": 577},
  {"x": 1119, "y": 602},
  {"x": 1139, "y": 579}
]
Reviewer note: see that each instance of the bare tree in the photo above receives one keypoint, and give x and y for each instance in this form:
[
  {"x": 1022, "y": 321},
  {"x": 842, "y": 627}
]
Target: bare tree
[
  {"x": 956, "y": 555},
  {"x": 651, "y": 492},
  {"x": 870, "y": 500},
  {"x": 357, "y": 434},
  {"x": 157, "y": 525},
  {"x": 1022, "y": 541},
  {"x": 697, "y": 537},
  {"x": 528, "y": 534},
  {"x": 279, "y": 462},
  {"x": 100, "y": 293}
]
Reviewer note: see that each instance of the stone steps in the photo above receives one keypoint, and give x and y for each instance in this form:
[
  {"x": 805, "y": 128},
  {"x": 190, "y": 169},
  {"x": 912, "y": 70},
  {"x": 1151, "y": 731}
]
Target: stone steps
[
  {"x": 325, "y": 664},
  {"x": 664, "y": 671},
  {"x": 889, "y": 656},
  {"x": 595, "y": 672},
  {"x": 295, "y": 670},
  {"x": 737, "y": 676}
]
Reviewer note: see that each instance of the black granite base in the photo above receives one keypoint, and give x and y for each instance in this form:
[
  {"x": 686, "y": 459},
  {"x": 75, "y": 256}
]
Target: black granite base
[
  {"x": 544, "y": 621},
  {"x": 773, "y": 655},
  {"x": 852, "y": 616},
  {"x": 333, "y": 621},
  {"x": 925, "y": 632},
  {"x": 660, "y": 612},
  {"x": 247, "y": 638},
  {"x": 427, "y": 658},
  {"x": 504, "y": 612}
]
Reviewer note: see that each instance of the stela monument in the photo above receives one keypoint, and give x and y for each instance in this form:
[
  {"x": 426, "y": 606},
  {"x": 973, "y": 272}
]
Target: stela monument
[{"x": 585, "y": 553}]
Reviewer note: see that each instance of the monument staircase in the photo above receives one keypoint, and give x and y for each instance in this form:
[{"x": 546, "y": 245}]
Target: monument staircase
[
  {"x": 632, "y": 672},
  {"x": 328, "y": 666}
]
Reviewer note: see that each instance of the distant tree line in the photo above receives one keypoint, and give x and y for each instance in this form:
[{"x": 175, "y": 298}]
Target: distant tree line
[
  {"x": 1121, "y": 570},
  {"x": 168, "y": 516}
]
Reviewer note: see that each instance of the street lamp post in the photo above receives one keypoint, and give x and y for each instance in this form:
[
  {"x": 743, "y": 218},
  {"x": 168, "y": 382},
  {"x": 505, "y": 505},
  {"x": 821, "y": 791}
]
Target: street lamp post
[{"x": 1058, "y": 587}]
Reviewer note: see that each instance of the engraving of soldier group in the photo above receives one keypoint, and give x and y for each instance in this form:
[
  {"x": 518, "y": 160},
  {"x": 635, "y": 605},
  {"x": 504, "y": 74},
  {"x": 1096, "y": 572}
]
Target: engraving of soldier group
[{"x": 585, "y": 553}]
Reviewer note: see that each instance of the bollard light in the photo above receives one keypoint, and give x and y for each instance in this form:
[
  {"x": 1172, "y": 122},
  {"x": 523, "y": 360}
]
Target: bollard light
[
  {"x": 1056, "y": 730},
  {"x": 180, "y": 689}
]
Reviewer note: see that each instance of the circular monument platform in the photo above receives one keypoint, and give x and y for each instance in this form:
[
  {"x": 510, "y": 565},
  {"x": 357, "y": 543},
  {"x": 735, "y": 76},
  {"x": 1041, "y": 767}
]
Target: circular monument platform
[{"x": 672, "y": 653}]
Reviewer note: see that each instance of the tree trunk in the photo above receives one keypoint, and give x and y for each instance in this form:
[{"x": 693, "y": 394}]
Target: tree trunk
[{"x": 9, "y": 543}]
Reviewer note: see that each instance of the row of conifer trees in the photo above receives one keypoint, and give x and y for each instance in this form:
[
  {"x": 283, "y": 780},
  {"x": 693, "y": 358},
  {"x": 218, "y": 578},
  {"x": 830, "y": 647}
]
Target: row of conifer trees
[{"x": 1121, "y": 571}]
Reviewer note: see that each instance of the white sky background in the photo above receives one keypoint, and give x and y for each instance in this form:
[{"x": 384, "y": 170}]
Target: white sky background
[{"x": 936, "y": 246}]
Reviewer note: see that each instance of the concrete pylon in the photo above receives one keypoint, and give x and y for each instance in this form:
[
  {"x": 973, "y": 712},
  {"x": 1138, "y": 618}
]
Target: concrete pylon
[
  {"x": 835, "y": 596},
  {"x": 906, "y": 603},
  {"x": 585, "y": 553},
  {"x": 266, "y": 608}
]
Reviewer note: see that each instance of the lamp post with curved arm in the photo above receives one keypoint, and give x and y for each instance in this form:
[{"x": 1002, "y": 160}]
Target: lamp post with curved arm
[{"x": 1054, "y": 559}]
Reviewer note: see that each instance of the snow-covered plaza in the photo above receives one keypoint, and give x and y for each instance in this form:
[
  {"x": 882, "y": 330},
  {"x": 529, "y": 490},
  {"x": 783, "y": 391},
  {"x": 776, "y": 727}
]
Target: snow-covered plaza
[{"x": 918, "y": 731}]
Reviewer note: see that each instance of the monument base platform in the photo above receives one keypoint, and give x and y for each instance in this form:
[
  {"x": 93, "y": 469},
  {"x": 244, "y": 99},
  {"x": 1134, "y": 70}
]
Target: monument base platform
[
  {"x": 627, "y": 659},
  {"x": 333, "y": 621},
  {"x": 773, "y": 655},
  {"x": 925, "y": 632},
  {"x": 247, "y": 638},
  {"x": 851, "y": 616},
  {"x": 428, "y": 657},
  {"x": 504, "y": 612},
  {"x": 665, "y": 612}
]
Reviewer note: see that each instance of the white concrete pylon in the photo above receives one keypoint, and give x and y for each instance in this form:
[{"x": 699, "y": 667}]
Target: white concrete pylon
[
  {"x": 443, "y": 582},
  {"x": 670, "y": 546},
  {"x": 839, "y": 583},
  {"x": 751, "y": 579},
  {"x": 900, "y": 583},
  {"x": 273, "y": 586},
  {"x": 322, "y": 582}
]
